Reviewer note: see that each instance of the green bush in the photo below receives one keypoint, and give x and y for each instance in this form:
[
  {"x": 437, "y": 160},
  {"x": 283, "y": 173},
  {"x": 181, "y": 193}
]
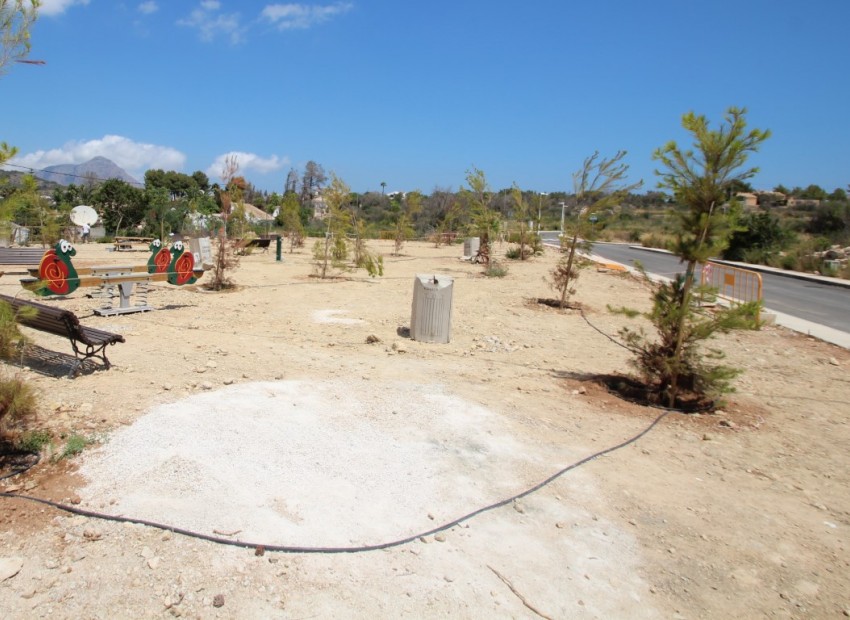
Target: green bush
[
  {"x": 653, "y": 240},
  {"x": 788, "y": 262},
  {"x": 33, "y": 441},
  {"x": 495, "y": 269},
  {"x": 17, "y": 401},
  {"x": 74, "y": 444}
]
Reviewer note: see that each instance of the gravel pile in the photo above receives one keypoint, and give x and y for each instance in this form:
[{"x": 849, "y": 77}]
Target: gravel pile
[{"x": 308, "y": 463}]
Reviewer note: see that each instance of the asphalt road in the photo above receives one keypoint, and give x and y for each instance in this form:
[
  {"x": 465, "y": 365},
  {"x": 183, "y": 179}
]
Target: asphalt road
[{"x": 805, "y": 299}]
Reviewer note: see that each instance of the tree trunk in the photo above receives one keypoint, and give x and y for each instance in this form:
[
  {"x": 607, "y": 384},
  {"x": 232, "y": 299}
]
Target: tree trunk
[
  {"x": 684, "y": 309},
  {"x": 570, "y": 260}
]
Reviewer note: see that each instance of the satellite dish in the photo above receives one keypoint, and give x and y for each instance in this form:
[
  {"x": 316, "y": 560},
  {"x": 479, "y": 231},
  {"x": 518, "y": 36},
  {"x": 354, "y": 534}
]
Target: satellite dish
[{"x": 83, "y": 214}]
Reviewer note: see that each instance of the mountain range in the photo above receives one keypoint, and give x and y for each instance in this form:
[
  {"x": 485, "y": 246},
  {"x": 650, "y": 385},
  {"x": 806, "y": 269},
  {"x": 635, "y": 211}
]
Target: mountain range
[{"x": 99, "y": 168}]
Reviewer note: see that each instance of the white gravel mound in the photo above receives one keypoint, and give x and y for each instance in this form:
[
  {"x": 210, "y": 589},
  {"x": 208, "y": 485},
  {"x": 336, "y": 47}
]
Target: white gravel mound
[{"x": 313, "y": 463}]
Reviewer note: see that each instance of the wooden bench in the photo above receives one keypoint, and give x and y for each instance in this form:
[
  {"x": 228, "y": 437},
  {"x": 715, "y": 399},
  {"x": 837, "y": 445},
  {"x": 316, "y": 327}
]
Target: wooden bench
[
  {"x": 126, "y": 243},
  {"x": 259, "y": 242},
  {"x": 87, "y": 342},
  {"x": 20, "y": 256}
]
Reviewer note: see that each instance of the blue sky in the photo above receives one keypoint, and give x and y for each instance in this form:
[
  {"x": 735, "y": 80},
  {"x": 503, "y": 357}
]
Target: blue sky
[{"x": 416, "y": 93}]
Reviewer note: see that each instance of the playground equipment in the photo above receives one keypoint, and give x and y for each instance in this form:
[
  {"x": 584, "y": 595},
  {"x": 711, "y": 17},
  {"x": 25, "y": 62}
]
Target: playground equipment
[{"x": 56, "y": 275}]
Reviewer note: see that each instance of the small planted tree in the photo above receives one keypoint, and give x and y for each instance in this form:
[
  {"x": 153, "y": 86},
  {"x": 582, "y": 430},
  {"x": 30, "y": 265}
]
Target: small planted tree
[
  {"x": 406, "y": 208},
  {"x": 483, "y": 221},
  {"x": 598, "y": 185},
  {"x": 674, "y": 363},
  {"x": 331, "y": 251},
  {"x": 225, "y": 259},
  {"x": 290, "y": 218},
  {"x": 529, "y": 242}
]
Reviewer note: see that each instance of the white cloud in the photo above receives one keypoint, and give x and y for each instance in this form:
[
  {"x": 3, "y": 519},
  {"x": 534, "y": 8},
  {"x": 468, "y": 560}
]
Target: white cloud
[
  {"x": 209, "y": 23},
  {"x": 57, "y": 7},
  {"x": 246, "y": 162},
  {"x": 134, "y": 157},
  {"x": 148, "y": 7},
  {"x": 300, "y": 16}
]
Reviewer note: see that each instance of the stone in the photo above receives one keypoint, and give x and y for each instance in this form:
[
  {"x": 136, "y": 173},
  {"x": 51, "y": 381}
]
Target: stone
[
  {"x": 9, "y": 567},
  {"x": 92, "y": 534},
  {"x": 218, "y": 600},
  {"x": 206, "y": 385},
  {"x": 440, "y": 537}
]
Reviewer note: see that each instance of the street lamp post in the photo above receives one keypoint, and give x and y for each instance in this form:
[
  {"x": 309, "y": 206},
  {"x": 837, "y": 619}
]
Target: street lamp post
[
  {"x": 539, "y": 203},
  {"x": 563, "y": 206}
]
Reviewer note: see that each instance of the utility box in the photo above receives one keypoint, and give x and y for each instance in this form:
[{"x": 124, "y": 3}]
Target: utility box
[
  {"x": 431, "y": 318},
  {"x": 471, "y": 246}
]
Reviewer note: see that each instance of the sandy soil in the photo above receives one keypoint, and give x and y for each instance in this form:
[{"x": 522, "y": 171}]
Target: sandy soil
[{"x": 740, "y": 513}]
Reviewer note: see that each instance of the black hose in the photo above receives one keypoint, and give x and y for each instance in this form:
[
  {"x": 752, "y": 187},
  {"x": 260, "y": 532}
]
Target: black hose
[
  {"x": 332, "y": 550},
  {"x": 24, "y": 468}
]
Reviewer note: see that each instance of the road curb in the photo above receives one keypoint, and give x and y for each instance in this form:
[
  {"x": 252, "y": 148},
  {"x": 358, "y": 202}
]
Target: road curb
[{"x": 797, "y": 275}]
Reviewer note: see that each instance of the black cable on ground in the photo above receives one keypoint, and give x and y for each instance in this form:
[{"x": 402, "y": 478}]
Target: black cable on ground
[
  {"x": 332, "y": 550},
  {"x": 36, "y": 457},
  {"x": 611, "y": 338}
]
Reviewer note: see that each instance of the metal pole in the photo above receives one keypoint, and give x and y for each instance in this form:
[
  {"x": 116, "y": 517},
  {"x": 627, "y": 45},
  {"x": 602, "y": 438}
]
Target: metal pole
[
  {"x": 563, "y": 205},
  {"x": 539, "y": 200}
]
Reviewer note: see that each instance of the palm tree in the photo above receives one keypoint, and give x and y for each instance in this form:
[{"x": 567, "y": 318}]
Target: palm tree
[{"x": 383, "y": 186}]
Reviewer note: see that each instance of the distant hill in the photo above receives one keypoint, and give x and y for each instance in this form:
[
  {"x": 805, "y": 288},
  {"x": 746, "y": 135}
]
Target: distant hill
[{"x": 99, "y": 168}]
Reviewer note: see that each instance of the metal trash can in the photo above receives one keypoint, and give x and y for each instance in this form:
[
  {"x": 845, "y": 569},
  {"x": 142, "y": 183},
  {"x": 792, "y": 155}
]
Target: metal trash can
[
  {"x": 431, "y": 318},
  {"x": 471, "y": 246}
]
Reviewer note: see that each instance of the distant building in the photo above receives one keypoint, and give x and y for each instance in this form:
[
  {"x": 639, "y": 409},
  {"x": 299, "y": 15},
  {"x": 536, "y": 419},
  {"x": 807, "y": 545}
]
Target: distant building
[
  {"x": 320, "y": 207},
  {"x": 255, "y": 214},
  {"x": 769, "y": 199},
  {"x": 748, "y": 199},
  {"x": 802, "y": 202}
]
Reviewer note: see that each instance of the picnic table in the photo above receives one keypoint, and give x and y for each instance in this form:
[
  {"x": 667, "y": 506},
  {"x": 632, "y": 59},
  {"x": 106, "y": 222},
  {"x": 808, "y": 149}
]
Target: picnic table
[{"x": 126, "y": 243}]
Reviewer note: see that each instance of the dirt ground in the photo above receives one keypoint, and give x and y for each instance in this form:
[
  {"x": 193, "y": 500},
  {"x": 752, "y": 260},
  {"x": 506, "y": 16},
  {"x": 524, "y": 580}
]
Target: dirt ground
[{"x": 736, "y": 514}]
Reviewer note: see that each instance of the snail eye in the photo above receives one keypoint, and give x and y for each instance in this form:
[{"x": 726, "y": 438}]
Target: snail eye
[{"x": 64, "y": 246}]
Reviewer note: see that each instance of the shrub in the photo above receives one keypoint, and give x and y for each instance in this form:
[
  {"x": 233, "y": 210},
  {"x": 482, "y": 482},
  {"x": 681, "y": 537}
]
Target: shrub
[
  {"x": 74, "y": 444},
  {"x": 17, "y": 401},
  {"x": 11, "y": 338},
  {"x": 33, "y": 441},
  {"x": 788, "y": 261},
  {"x": 495, "y": 269}
]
